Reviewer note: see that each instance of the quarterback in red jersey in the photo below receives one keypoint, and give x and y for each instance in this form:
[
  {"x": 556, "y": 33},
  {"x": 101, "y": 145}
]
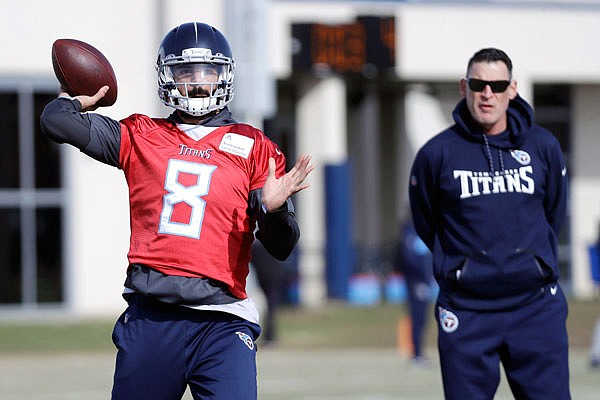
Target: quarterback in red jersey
[{"x": 201, "y": 188}]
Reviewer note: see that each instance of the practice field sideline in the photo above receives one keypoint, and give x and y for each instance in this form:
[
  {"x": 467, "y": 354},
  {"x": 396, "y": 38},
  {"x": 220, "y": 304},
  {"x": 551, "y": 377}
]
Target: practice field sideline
[
  {"x": 351, "y": 374},
  {"x": 334, "y": 353}
]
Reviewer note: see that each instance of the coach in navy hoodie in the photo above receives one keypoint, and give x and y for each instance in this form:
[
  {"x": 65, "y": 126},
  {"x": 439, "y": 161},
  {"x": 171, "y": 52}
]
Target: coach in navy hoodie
[{"x": 488, "y": 197}]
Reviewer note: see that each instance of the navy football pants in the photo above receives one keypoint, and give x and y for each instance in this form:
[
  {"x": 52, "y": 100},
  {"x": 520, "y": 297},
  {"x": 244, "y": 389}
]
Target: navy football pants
[
  {"x": 531, "y": 342},
  {"x": 163, "y": 348}
]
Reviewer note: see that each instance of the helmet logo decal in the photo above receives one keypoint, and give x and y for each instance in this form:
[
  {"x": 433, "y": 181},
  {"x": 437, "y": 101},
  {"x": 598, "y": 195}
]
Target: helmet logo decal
[{"x": 196, "y": 52}]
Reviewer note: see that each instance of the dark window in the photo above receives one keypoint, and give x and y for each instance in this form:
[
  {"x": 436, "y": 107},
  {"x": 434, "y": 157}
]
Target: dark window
[
  {"x": 49, "y": 264},
  {"x": 10, "y": 256},
  {"x": 553, "y": 111},
  {"x": 552, "y": 107},
  {"x": 9, "y": 141},
  {"x": 31, "y": 202}
]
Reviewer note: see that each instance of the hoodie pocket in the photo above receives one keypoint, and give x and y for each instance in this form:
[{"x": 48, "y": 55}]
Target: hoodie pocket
[{"x": 494, "y": 276}]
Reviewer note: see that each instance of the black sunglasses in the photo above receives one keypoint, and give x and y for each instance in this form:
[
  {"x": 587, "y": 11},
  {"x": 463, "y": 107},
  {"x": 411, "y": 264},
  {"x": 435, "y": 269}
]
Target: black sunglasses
[{"x": 477, "y": 85}]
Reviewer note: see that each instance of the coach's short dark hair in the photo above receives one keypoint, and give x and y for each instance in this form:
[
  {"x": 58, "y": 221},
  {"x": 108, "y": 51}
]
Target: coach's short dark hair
[{"x": 491, "y": 54}]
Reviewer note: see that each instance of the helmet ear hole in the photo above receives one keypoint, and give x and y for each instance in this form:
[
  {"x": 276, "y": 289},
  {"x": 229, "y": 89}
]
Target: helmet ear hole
[{"x": 195, "y": 43}]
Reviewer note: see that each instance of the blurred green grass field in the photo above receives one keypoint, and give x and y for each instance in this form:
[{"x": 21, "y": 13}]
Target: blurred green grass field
[
  {"x": 334, "y": 326},
  {"x": 331, "y": 353}
]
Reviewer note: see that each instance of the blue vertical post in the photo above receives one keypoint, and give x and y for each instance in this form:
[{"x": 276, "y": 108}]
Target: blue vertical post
[{"x": 339, "y": 251}]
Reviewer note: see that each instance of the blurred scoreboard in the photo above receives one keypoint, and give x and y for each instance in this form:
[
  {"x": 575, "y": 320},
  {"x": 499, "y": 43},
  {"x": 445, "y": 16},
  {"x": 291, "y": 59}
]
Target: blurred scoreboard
[{"x": 365, "y": 46}]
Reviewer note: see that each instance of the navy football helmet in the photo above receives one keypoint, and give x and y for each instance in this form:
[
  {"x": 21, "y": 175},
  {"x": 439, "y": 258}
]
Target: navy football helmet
[{"x": 195, "y": 69}]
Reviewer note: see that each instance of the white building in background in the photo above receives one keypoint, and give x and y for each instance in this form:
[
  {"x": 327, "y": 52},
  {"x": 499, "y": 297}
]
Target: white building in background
[{"x": 65, "y": 217}]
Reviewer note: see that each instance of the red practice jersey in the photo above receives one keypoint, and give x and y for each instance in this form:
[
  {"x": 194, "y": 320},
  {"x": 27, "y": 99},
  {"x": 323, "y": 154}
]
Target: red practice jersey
[{"x": 188, "y": 199}]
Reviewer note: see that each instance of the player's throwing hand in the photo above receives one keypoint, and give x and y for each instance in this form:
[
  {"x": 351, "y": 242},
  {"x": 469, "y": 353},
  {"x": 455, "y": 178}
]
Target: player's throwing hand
[{"x": 88, "y": 103}]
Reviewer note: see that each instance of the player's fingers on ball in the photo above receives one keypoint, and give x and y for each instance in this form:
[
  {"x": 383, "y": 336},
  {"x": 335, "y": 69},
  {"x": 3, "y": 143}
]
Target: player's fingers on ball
[{"x": 102, "y": 91}]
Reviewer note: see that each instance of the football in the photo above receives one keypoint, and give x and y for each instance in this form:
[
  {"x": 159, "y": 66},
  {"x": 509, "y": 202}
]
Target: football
[{"x": 82, "y": 69}]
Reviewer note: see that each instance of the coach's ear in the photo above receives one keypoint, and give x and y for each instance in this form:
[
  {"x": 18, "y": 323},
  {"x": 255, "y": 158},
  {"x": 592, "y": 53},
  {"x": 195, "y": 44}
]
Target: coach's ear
[
  {"x": 462, "y": 87},
  {"x": 512, "y": 89}
]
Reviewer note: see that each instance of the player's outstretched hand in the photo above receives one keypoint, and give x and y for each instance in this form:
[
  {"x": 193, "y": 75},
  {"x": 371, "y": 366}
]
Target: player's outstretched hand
[
  {"x": 88, "y": 103},
  {"x": 276, "y": 190}
]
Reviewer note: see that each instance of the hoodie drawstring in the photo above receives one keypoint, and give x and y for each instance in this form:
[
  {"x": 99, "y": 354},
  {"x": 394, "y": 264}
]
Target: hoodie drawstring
[{"x": 489, "y": 154}]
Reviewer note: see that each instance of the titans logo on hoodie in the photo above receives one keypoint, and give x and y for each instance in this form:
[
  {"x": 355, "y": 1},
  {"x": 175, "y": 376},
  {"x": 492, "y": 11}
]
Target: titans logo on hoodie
[{"x": 490, "y": 207}]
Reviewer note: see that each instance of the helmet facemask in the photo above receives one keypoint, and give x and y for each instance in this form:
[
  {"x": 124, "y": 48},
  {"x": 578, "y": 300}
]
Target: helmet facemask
[{"x": 195, "y": 82}]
